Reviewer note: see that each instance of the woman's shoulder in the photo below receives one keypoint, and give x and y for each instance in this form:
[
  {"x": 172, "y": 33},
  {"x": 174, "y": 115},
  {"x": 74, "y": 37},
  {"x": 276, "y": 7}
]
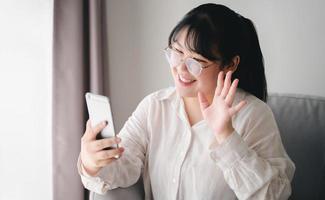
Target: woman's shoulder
[
  {"x": 256, "y": 113},
  {"x": 161, "y": 94},
  {"x": 153, "y": 99},
  {"x": 254, "y": 105}
]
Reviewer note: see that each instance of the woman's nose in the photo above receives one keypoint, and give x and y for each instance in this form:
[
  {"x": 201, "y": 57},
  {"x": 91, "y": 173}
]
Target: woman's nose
[{"x": 183, "y": 68}]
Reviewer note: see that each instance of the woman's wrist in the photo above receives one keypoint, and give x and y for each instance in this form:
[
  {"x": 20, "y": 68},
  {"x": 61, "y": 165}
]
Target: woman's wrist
[
  {"x": 89, "y": 171},
  {"x": 221, "y": 136}
]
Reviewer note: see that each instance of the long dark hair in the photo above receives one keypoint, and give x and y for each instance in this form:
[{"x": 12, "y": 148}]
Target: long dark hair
[{"x": 215, "y": 31}]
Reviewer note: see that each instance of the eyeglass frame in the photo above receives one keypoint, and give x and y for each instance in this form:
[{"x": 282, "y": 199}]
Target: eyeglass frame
[{"x": 183, "y": 60}]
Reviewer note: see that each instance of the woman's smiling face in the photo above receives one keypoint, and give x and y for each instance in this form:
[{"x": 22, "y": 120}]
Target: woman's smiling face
[{"x": 186, "y": 84}]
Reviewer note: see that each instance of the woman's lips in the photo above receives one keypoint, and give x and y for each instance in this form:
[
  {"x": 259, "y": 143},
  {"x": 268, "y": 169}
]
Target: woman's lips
[{"x": 185, "y": 82}]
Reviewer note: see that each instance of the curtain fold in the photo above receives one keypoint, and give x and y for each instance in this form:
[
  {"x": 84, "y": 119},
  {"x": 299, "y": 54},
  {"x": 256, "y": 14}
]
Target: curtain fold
[{"x": 78, "y": 67}]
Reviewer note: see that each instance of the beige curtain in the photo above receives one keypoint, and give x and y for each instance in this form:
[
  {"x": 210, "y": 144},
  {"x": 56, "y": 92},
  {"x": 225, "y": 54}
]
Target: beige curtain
[{"x": 78, "y": 66}]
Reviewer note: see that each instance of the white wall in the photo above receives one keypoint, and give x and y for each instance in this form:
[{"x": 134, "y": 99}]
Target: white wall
[
  {"x": 25, "y": 104},
  {"x": 292, "y": 39},
  {"x": 291, "y": 34}
]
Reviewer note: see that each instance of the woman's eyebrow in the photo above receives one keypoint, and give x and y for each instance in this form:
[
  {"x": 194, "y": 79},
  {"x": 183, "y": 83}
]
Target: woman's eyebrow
[{"x": 198, "y": 59}]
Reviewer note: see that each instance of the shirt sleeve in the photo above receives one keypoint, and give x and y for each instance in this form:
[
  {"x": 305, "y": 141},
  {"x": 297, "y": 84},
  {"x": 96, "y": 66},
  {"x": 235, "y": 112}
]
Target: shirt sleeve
[
  {"x": 254, "y": 163},
  {"x": 126, "y": 170}
]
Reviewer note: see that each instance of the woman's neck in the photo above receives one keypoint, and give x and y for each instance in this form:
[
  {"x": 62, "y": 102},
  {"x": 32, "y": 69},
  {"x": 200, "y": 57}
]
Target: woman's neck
[{"x": 193, "y": 110}]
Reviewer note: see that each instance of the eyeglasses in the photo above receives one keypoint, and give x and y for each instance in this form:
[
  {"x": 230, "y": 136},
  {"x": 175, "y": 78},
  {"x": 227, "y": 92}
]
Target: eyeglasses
[{"x": 175, "y": 58}]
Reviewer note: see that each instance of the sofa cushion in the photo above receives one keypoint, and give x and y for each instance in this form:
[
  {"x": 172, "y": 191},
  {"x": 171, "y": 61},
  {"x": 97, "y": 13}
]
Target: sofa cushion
[{"x": 301, "y": 120}]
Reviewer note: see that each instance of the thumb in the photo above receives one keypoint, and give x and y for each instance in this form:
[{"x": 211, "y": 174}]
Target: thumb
[{"x": 203, "y": 101}]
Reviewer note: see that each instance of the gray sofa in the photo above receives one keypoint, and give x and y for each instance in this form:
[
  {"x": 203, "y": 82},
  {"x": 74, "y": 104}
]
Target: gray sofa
[{"x": 301, "y": 120}]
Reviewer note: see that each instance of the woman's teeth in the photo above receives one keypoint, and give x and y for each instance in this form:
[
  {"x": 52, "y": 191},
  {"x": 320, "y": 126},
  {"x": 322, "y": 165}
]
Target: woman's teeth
[{"x": 185, "y": 80}]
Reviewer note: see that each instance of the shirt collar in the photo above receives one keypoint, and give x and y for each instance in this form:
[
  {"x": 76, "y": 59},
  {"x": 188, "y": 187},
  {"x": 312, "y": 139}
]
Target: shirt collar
[
  {"x": 171, "y": 93},
  {"x": 167, "y": 94}
]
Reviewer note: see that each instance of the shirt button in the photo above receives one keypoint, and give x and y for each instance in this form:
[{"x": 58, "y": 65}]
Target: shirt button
[{"x": 174, "y": 180}]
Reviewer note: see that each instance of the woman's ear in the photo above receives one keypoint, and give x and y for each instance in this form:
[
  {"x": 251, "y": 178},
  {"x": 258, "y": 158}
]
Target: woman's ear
[{"x": 233, "y": 64}]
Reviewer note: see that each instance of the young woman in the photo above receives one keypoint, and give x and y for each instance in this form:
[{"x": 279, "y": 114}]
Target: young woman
[{"x": 204, "y": 138}]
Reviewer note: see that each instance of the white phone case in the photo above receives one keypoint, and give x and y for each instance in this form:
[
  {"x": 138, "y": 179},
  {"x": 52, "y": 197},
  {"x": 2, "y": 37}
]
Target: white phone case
[{"x": 99, "y": 110}]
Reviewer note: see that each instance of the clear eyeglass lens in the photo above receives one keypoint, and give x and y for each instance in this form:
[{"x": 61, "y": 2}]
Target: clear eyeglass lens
[
  {"x": 193, "y": 66},
  {"x": 175, "y": 59}
]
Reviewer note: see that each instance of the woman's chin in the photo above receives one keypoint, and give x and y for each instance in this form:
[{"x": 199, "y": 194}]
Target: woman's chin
[{"x": 186, "y": 92}]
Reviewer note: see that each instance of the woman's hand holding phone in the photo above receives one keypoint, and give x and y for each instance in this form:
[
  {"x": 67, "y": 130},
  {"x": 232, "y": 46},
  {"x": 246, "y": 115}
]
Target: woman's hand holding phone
[{"x": 94, "y": 153}]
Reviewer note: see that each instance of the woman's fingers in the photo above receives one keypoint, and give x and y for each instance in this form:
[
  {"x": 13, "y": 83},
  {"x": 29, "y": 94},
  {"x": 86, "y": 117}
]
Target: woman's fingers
[
  {"x": 99, "y": 127},
  {"x": 235, "y": 109},
  {"x": 105, "y": 157},
  {"x": 232, "y": 91},
  {"x": 98, "y": 145},
  {"x": 92, "y": 154},
  {"x": 103, "y": 163},
  {"x": 219, "y": 84},
  {"x": 108, "y": 154},
  {"x": 226, "y": 85},
  {"x": 91, "y": 132},
  {"x": 203, "y": 101}
]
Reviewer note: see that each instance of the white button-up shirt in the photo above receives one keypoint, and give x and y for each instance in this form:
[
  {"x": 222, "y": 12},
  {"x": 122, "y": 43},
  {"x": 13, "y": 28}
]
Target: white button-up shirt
[{"x": 180, "y": 161}]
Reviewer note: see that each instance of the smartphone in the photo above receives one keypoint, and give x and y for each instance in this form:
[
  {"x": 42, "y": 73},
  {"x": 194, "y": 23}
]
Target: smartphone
[{"x": 99, "y": 110}]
